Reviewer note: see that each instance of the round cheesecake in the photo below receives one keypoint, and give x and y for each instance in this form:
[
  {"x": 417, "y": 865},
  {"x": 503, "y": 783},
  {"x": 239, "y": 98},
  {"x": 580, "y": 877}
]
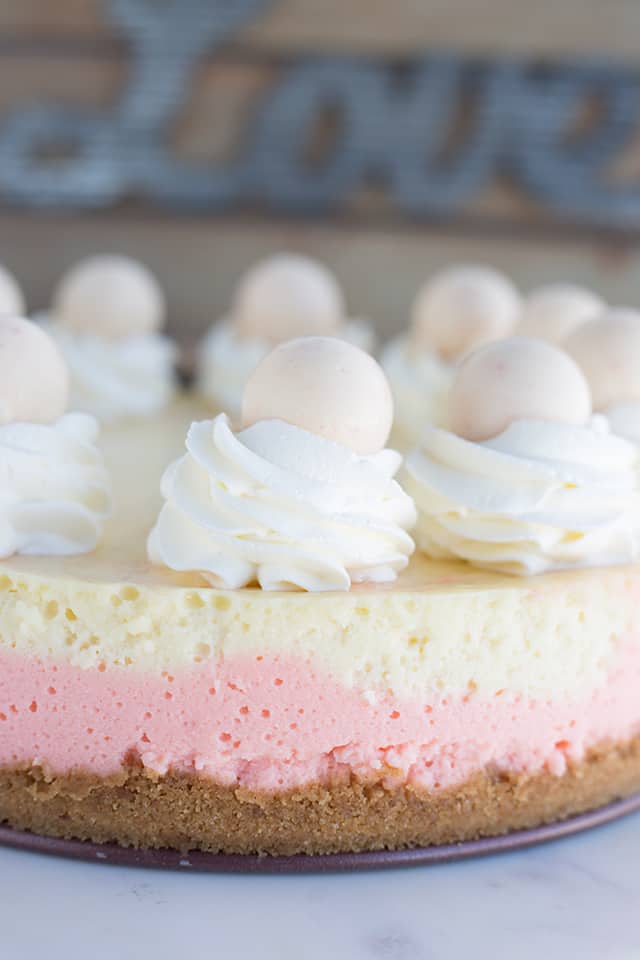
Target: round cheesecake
[{"x": 142, "y": 706}]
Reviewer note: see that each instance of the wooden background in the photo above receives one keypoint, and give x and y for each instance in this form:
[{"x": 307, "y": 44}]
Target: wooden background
[{"x": 68, "y": 51}]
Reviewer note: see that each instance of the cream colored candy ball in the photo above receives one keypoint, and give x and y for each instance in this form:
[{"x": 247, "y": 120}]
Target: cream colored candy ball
[
  {"x": 325, "y": 386},
  {"x": 552, "y": 313},
  {"x": 607, "y": 350},
  {"x": 110, "y": 296},
  {"x": 287, "y": 296},
  {"x": 516, "y": 379},
  {"x": 11, "y": 297},
  {"x": 462, "y": 308},
  {"x": 34, "y": 383}
]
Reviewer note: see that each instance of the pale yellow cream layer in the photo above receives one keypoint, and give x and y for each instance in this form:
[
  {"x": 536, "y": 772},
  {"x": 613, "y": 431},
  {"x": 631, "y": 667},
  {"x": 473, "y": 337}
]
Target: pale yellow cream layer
[{"x": 442, "y": 626}]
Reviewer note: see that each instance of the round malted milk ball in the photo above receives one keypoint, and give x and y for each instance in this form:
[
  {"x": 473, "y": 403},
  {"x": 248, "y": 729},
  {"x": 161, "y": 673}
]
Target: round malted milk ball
[
  {"x": 516, "y": 379},
  {"x": 11, "y": 298},
  {"x": 34, "y": 383},
  {"x": 287, "y": 296},
  {"x": 552, "y": 313},
  {"x": 325, "y": 386},
  {"x": 110, "y": 296},
  {"x": 462, "y": 308},
  {"x": 607, "y": 350}
]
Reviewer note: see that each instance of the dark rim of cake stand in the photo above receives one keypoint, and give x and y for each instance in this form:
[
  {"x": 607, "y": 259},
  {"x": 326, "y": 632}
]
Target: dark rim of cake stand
[{"x": 318, "y": 863}]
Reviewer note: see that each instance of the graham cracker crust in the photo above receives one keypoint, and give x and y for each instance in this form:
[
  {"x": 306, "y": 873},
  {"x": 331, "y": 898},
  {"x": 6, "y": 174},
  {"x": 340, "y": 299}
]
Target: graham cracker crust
[{"x": 185, "y": 812}]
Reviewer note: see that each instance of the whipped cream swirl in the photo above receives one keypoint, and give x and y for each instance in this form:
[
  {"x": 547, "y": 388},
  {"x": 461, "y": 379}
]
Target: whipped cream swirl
[
  {"x": 277, "y": 505},
  {"x": 624, "y": 419},
  {"x": 226, "y": 361},
  {"x": 540, "y": 496},
  {"x": 116, "y": 379},
  {"x": 420, "y": 383},
  {"x": 54, "y": 489}
]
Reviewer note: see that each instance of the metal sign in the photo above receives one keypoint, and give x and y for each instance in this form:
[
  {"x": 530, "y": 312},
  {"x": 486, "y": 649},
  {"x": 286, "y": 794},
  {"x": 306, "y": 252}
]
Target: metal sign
[{"x": 395, "y": 127}]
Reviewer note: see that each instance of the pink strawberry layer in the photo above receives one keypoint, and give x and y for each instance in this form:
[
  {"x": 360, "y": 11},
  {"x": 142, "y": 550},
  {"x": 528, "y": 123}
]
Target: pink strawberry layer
[{"x": 271, "y": 723}]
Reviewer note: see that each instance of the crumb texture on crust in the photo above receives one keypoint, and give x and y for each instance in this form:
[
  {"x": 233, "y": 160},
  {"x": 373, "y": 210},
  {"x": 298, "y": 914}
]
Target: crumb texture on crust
[{"x": 185, "y": 812}]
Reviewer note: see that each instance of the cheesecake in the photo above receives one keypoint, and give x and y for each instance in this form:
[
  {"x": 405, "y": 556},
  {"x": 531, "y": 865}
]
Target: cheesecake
[
  {"x": 244, "y": 652},
  {"x": 143, "y": 706}
]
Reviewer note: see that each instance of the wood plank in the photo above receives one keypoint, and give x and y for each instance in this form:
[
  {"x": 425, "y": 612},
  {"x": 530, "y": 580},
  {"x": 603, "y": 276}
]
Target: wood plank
[
  {"x": 487, "y": 27},
  {"x": 551, "y": 28},
  {"x": 64, "y": 17},
  {"x": 54, "y": 79},
  {"x": 199, "y": 261}
]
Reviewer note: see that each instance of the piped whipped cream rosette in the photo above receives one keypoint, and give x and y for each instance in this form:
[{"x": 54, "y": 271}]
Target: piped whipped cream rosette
[
  {"x": 556, "y": 311},
  {"x": 304, "y": 496},
  {"x": 278, "y": 299},
  {"x": 453, "y": 313},
  {"x": 11, "y": 297},
  {"x": 607, "y": 349},
  {"x": 106, "y": 319},
  {"x": 54, "y": 488},
  {"x": 527, "y": 480},
  {"x": 420, "y": 381}
]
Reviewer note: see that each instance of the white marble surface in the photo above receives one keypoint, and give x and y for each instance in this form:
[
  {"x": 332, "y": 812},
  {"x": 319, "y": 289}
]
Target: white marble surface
[{"x": 575, "y": 898}]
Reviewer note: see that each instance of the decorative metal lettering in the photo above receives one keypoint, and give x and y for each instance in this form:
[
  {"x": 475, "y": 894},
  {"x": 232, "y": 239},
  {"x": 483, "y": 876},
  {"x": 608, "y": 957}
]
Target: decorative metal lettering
[{"x": 394, "y": 129}]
